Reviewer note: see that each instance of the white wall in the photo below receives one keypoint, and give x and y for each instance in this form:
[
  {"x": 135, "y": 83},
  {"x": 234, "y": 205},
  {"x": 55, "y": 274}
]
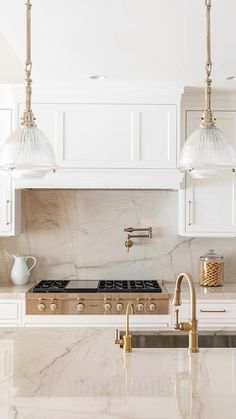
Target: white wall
[{"x": 11, "y": 69}]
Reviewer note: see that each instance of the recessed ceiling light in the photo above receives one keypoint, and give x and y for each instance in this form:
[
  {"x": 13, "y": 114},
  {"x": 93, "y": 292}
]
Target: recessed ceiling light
[
  {"x": 230, "y": 77},
  {"x": 97, "y": 76}
]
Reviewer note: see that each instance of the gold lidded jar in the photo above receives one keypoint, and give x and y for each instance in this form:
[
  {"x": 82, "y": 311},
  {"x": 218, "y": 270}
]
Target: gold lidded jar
[{"x": 211, "y": 270}]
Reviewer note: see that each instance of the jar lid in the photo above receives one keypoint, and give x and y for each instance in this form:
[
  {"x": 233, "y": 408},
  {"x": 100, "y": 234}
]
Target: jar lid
[{"x": 211, "y": 255}]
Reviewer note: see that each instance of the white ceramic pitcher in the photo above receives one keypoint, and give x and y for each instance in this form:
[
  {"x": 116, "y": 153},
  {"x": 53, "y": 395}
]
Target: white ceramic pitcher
[{"x": 20, "y": 272}]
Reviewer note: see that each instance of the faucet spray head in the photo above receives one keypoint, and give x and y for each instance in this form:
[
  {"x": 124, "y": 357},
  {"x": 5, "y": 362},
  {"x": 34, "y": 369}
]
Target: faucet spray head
[{"x": 177, "y": 299}]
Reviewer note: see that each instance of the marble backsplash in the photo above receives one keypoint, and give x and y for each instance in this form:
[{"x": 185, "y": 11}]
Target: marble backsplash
[{"x": 80, "y": 233}]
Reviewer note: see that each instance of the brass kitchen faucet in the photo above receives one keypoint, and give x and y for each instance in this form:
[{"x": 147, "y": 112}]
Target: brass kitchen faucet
[
  {"x": 126, "y": 341},
  {"x": 192, "y": 325}
]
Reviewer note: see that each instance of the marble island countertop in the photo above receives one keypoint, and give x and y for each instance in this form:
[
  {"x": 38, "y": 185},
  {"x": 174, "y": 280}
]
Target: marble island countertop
[{"x": 82, "y": 374}]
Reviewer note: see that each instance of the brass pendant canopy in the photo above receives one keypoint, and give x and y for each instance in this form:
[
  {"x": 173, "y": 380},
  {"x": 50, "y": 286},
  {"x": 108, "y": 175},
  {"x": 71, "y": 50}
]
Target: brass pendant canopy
[
  {"x": 27, "y": 151},
  {"x": 207, "y": 153}
]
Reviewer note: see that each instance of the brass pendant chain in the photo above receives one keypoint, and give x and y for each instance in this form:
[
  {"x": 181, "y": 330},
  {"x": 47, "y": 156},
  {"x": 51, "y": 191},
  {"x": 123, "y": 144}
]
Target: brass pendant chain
[
  {"x": 207, "y": 118},
  {"x": 28, "y": 116}
]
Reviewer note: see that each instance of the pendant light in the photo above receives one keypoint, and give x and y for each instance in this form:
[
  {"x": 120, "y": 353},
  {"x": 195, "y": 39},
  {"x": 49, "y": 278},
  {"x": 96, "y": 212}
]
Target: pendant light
[
  {"x": 27, "y": 151},
  {"x": 207, "y": 153}
]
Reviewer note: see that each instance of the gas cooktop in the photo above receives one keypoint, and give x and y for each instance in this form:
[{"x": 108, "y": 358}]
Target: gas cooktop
[{"x": 66, "y": 286}]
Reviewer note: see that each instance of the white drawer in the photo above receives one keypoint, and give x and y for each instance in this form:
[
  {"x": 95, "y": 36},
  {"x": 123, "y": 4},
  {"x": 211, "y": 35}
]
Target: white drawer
[
  {"x": 210, "y": 311},
  {"x": 8, "y": 310}
]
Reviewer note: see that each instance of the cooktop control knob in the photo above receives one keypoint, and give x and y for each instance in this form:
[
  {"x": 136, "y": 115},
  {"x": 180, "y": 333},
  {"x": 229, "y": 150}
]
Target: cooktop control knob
[
  {"x": 53, "y": 306},
  {"x": 41, "y": 306},
  {"x": 152, "y": 306},
  {"x": 107, "y": 307},
  {"x": 119, "y": 306},
  {"x": 140, "y": 306},
  {"x": 80, "y": 307}
]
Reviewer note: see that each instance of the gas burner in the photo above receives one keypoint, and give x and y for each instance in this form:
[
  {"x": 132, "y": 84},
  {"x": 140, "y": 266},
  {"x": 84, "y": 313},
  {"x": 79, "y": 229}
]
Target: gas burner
[
  {"x": 145, "y": 286},
  {"x": 51, "y": 286},
  {"x": 129, "y": 286},
  {"x": 113, "y": 286}
]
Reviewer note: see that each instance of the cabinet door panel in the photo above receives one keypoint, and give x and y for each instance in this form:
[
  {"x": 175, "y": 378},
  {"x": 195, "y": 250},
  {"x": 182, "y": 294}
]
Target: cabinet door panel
[
  {"x": 110, "y": 135},
  {"x": 209, "y": 204},
  {"x": 158, "y": 135},
  {"x": 95, "y": 134}
]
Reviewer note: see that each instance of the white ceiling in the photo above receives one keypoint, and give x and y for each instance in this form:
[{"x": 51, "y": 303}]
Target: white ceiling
[{"x": 132, "y": 41}]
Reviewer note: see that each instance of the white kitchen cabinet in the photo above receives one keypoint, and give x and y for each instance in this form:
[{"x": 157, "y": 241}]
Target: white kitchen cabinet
[
  {"x": 6, "y": 384},
  {"x": 9, "y": 198},
  {"x": 110, "y": 135},
  {"x": 210, "y": 313},
  {"x": 207, "y": 207},
  {"x": 11, "y": 313}
]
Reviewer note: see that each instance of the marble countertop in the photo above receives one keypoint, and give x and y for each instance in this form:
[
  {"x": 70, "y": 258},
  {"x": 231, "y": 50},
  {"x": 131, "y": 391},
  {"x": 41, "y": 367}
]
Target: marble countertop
[
  {"x": 14, "y": 292},
  {"x": 228, "y": 291},
  {"x": 81, "y": 374}
]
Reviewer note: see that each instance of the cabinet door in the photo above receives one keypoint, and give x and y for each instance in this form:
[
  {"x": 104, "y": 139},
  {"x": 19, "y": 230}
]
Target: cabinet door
[
  {"x": 5, "y": 203},
  {"x": 110, "y": 135},
  {"x": 207, "y": 206},
  {"x": 5, "y": 177}
]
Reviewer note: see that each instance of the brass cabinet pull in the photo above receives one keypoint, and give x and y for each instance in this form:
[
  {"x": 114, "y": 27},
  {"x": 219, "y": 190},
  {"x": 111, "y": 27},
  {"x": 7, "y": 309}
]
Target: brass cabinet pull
[{"x": 213, "y": 311}]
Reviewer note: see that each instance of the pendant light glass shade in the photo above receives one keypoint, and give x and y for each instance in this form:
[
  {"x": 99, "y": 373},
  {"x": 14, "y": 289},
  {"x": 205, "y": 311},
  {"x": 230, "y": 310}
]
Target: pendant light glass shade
[
  {"x": 27, "y": 152},
  {"x": 207, "y": 153}
]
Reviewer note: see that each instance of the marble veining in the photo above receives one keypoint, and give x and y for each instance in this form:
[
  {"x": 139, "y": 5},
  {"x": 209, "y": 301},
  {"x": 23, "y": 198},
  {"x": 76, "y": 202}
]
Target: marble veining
[
  {"x": 80, "y": 373},
  {"x": 79, "y": 233}
]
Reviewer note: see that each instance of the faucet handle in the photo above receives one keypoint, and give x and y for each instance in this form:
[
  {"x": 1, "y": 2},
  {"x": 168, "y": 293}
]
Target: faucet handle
[
  {"x": 118, "y": 340},
  {"x": 176, "y": 326}
]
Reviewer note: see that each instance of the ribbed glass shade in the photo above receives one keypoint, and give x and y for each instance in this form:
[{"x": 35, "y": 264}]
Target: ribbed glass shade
[
  {"x": 207, "y": 153},
  {"x": 28, "y": 152}
]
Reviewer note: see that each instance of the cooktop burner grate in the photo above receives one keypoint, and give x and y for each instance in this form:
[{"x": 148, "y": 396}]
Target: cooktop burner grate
[
  {"x": 111, "y": 286},
  {"x": 51, "y": 286},
  {"x": 145, "y": 286},
  {"x": 61, "y": 286},
  {"x": 129, "y": 286}
]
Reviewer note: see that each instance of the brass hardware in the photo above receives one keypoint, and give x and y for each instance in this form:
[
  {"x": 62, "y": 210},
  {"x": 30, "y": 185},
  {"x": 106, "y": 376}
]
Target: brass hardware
[
  {"x": 192, "y": 325},
  {"x": 129, "y": 242},
  {"x": 41, "y": 306},
  {"x": 207, "y": 117},
  {"x": 118, "y": 341},
  {"x": 140, "y": 305},
  {"x": 80, "y": 307},
  {"x": 127, "y": 338},
  {"x": 28, "y": 119},
  {"x": 107, "y": 306},
  {"x": 53, "y": 305},
  {"x": 119, "y": 306},
  {"x": 152, "y": 306},
  {"x": 212, "y": 311},
  {"x": 126, "y": 341}
]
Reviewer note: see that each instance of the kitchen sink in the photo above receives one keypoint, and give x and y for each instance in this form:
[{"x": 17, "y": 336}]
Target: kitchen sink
[{"x": 180, "y": 340}]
